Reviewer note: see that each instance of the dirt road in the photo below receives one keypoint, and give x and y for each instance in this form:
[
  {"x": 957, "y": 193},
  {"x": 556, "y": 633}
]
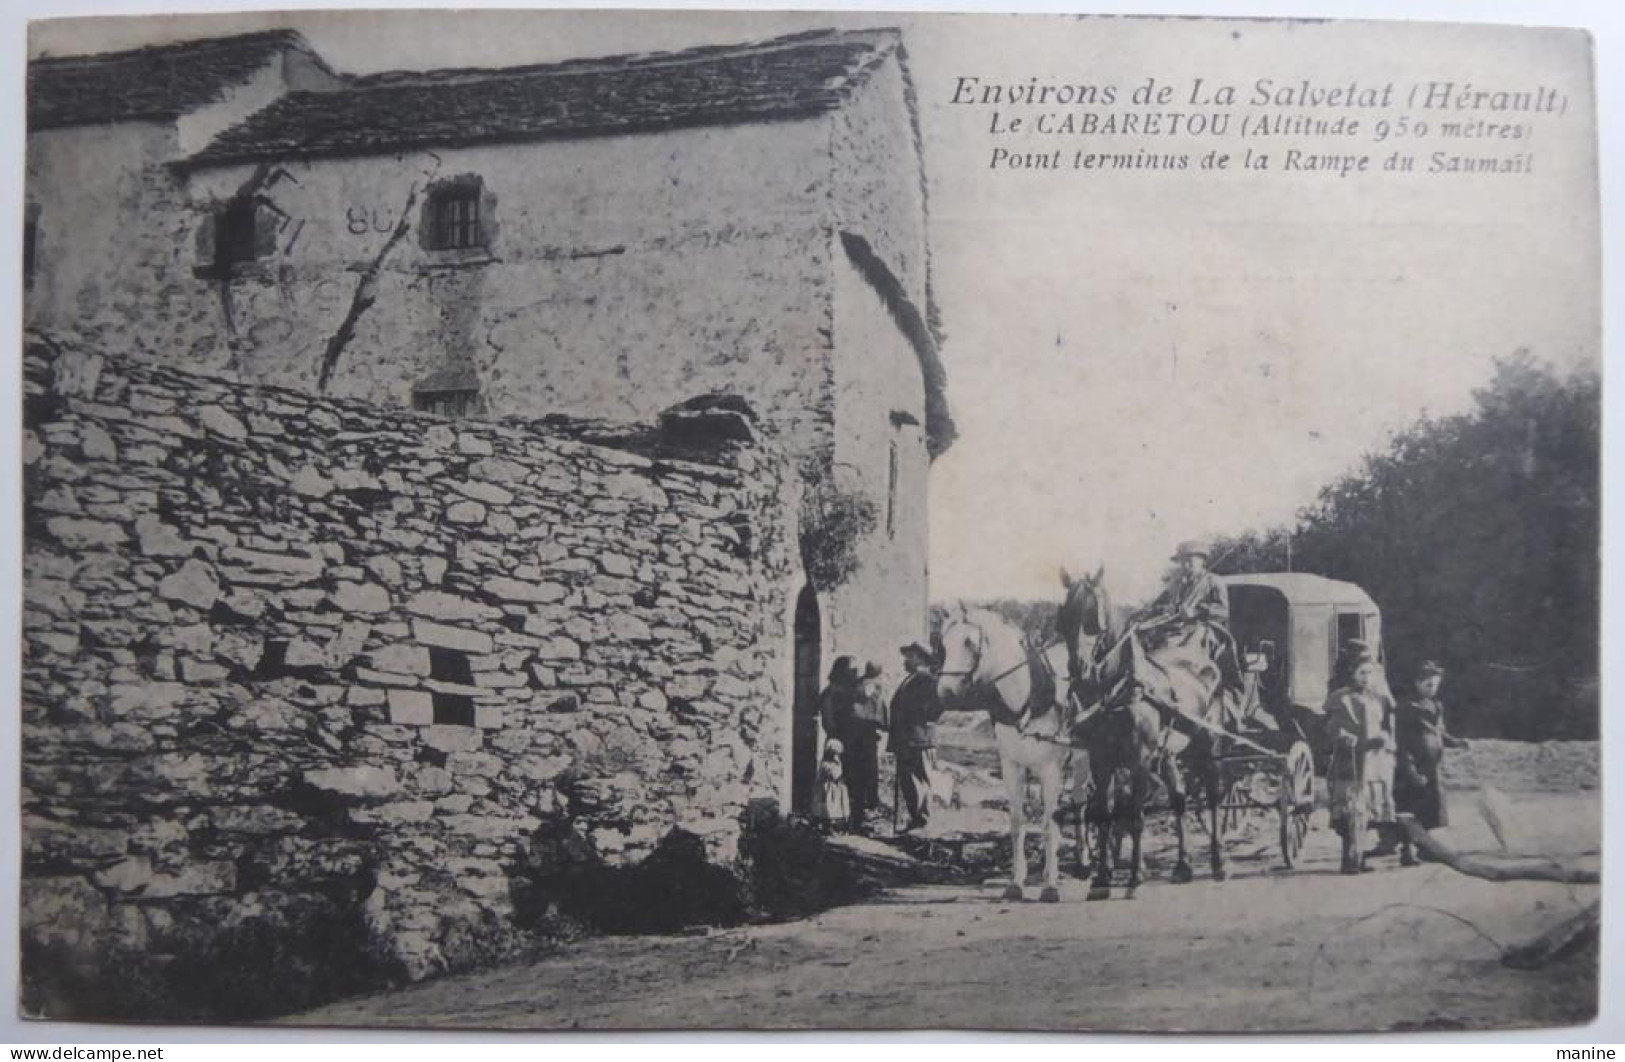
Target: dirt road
[{"x": 1310, "y": 949}]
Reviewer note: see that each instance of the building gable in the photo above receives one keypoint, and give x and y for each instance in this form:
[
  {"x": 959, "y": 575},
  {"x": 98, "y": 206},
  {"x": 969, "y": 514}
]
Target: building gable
[{"x": 160, "y": 83}]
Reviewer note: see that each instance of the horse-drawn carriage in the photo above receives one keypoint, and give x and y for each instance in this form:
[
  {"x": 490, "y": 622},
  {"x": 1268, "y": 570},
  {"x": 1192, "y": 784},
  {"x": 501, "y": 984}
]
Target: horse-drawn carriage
[
  {"x": 1289, "y": 629},
  {"x": 1152, "y": 703}
]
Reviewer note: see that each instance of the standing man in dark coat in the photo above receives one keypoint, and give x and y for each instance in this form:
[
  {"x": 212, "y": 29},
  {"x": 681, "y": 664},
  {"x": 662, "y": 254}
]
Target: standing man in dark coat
[
  {"x": 1422, "y": 740},
  {"x": 914, "y": 707},
  {"x": 837, "y": 710}
]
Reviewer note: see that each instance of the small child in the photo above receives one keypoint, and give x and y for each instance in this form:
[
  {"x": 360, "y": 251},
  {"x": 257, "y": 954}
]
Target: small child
[
  {"x": 1422, "y": 741},
  {"x": 830, "y": 807}
]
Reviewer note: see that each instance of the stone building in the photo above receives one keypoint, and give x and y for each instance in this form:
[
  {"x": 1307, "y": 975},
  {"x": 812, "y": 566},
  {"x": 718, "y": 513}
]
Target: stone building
[{"x": 604, "y": 237}]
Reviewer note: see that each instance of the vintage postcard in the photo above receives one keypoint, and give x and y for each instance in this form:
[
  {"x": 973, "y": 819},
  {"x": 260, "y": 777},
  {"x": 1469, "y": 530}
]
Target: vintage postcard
[{"x": 801, "y": 520}]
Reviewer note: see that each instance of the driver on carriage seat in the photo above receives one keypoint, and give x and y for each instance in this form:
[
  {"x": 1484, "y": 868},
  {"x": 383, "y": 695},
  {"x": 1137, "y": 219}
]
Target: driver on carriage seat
[{"x": 1196, "y": 595}]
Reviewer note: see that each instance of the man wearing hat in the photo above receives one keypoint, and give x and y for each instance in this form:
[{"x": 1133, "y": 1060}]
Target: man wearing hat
[
  {"x": 914, "y": 707},
  {"x": 1422, "y": 739},
  {"x": 1196, "y": 595}
]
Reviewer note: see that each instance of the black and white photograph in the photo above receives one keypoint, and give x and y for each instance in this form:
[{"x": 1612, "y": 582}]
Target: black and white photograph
[{"x": 810, "y": 520}]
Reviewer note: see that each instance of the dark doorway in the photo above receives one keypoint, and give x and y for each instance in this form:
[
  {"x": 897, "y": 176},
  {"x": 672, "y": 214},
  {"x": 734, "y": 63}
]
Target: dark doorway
[{"x": 804, "y": 725}]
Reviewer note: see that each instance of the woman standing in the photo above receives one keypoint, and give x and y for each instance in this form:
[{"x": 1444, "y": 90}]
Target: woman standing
[{"x": 1359, "y": 721}]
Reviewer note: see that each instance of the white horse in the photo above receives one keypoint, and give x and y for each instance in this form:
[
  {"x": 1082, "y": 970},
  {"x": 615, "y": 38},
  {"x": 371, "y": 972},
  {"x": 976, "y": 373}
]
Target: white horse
[{"x": 986, "y": 667}]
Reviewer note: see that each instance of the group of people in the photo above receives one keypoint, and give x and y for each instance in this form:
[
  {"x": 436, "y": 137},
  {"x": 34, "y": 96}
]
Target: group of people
[
  {"x": 1386, "y": 758},
  {"x": 855, "y": 713}
]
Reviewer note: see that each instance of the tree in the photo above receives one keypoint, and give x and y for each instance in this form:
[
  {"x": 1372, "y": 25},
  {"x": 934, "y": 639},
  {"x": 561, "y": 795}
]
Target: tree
[{"x": 1478, "y": 535}]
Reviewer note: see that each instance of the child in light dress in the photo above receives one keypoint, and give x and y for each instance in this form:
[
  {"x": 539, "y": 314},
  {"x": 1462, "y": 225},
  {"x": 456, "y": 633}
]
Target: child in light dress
[{"x": 830, "y": 806}]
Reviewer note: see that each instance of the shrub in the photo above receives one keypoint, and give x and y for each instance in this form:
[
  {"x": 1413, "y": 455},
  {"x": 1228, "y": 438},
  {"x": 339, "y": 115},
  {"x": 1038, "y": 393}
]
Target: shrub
[
  {"x": 257, "y": 969},
  {"x": 788, "y": 869}
]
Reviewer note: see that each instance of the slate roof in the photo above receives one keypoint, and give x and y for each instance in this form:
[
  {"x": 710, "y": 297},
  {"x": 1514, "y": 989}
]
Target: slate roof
[
  {"x": 789, "y": 77},
  {"x": 156, "y": 83}
]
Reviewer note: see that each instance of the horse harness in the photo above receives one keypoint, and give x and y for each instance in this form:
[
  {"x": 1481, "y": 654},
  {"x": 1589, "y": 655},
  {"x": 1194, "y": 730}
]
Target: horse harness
[{"x": 994, "y": 705}]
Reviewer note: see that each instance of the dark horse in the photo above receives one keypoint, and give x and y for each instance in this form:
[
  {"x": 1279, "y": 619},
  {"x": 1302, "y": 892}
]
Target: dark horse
[{"x": 1144, "y": 684}]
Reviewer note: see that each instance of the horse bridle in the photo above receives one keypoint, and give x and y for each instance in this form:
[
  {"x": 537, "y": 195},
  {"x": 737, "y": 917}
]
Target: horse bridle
[{"x": 981, "y": 644}]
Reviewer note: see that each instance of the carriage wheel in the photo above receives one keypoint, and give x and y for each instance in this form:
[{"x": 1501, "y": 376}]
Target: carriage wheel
[{"x": 1296, "y": 798}]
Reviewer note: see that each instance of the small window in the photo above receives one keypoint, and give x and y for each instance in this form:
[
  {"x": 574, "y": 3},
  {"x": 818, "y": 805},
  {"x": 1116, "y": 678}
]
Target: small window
[
  {"x": 455, "y": 404},
  {"x": 235, "y": 236},
  {"x": 454, "y": 218},
  {"x": 449, "y": 392},
  {"x": 453, "y": 709},
  {"x": 1349, "y": 628},
  {"x": 891, "y": 491},
  {"x": 450, "y": 665}
]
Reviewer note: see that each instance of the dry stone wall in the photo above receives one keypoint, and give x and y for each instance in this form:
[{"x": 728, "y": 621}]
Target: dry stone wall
[{"x": 280, "y": 647}]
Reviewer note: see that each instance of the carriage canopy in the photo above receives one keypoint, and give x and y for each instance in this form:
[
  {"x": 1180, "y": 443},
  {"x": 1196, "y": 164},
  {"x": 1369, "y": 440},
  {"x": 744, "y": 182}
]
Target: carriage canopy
[{"x": 1298, "y": 621}]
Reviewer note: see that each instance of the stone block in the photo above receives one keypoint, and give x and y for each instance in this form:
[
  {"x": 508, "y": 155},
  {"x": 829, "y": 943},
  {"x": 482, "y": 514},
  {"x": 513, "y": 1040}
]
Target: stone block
[
  {"x": 489, "y": 493},
  {"x": 201, "y": 672},
  {"x": 473, "y": 445},
  {"x": 411, "y": 707},
  {"x": 433, "y": 781},
  {"x": 438, "y": 634},
  {"x": 365, "y": 783},
  {"x": 386, "y": 568},
  {"x": 453, "y": 738},
  {"x": 731, "y": 686},
  {"x": 96, "y": 444},
  {"x": 402, "y": 659},
  {"x": 366, "y": 598},
  {"x": 222, "y": 423},
  {"x": 194, "y": 584},
  {"x": 499, "y": 469},
  {"x": 256, "y": 819},
  {"x": 384, "y": 678},
  {"x": 559, "y": 648},
  {"x": 438, "y": 605},
  {"x": 398, "y": 814},
  {"x": 488, "y": 716},
  {"x": 628, "y": 628},
  {"x": 540, "y": 593},
  {"x": 310, "y": 483},
  {"x": 303, "y": 567},
  {"x": 77, "y": 533},
  {"x": 60, "y": 500},
  {"x": 615, "y": 564},
  {"x": 466, "y": 513},
  {"x": 145, "y": 698}
]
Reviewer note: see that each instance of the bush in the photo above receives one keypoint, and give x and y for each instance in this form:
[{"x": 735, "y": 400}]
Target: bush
[
  {"x": 252, "y": 971},
  {"x": 785, "y": 870},
  {"x": 788, "y": 869},
  {"x": 565, "y": 887}
]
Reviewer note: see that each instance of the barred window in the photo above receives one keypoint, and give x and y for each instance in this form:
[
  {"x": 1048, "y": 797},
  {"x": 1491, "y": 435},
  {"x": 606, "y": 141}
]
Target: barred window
[{"x": 454, "y": 218}]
